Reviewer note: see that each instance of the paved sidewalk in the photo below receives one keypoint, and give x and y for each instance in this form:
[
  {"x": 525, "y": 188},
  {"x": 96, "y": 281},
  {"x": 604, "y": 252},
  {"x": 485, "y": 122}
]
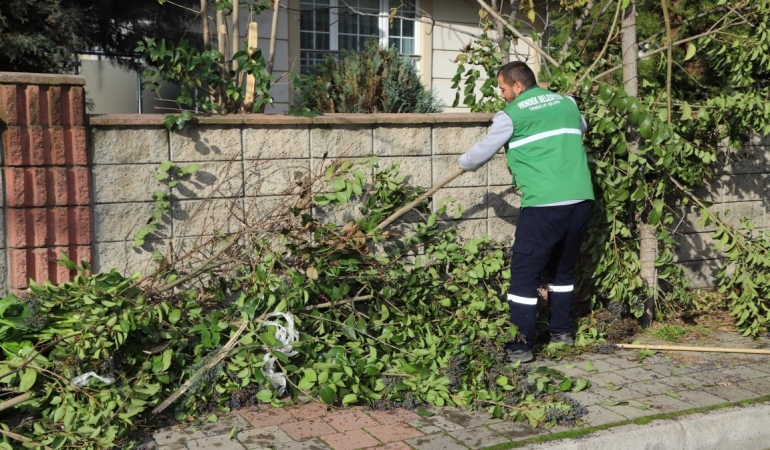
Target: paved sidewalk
[{"x": 623, "y": 389}]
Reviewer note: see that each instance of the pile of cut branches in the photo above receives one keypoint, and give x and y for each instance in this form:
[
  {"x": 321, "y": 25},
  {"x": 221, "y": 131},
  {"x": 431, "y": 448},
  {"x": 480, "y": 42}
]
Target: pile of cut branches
[{"x": 286, "y": 307}]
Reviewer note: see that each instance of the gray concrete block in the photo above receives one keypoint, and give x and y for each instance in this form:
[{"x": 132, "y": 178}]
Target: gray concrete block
[
  {"x": 171, "y": 438},
  {"x": 209, "y": 143},
  {"x": 502, "y": 230},
  {"x": 695, "y": 247},
  {"x": 455, "y": 139},
  {"x": 274, "y": 177},
  {"x": 402, "y": 140},
  {"x": 434, "y": 424},
  {"x": 118, "y": 222},
  {"x": 759, "y": 386},
  {"x": 277, "y": 142},
  {"x": 631, "y": 411},
  {"x": 212, "y": 180},
  {"x": 468, "y": 228},
  {"x": 702, "y": 274},
  {"x": 650, "y": 387},
  {"x": 129, "y": 145},
  {"x": 126, "y": 259},
  {"x": 416, "y": 170},
  {"x": 740, "y": 428},
  {"x": 126, "y": 183},
  {"x": 435, "y": 442},
  {"x": 477, "y": 438},
  {"x": 471, "y": 200},
  {"x": 207, "y": 217},
  {"x": 220, "y": 442},
  {"x": 503, "y": 201},
  {"x": 347, "y": 141},
  {"x": 339, "y": 215},
  {"x": 468, "y": 419},
  {"x": 749, "y": 159},
  {"x": 700, "y": 399},
  {"x": 499, "y": 174},
  {"x": 443, "y": 166}
]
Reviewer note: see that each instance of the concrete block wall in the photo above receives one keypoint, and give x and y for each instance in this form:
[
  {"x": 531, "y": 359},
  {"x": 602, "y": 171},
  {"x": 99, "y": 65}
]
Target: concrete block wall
[
  {"x": 738, "y": 191},
  {"x": 247, "y": 162},
  {"x": 46, "y": 178}
]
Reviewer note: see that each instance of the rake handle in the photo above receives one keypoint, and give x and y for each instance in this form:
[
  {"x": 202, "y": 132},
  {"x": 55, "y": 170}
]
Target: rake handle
[{"x": 419, "y": 199}]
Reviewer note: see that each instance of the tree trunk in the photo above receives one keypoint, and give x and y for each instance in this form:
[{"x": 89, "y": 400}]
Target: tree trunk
[
  {"x": 235, "y": 45},
  {"x": 648, "y": 245},
  {"x": 500, "y": 28}
]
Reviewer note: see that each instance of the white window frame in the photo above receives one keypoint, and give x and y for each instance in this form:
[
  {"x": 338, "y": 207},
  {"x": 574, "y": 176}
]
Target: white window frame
[{"x": 383, "y": 25}]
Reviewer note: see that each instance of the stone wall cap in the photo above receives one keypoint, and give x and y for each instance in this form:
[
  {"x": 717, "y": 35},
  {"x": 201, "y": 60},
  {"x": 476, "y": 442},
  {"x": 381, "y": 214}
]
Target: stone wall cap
[
  {"x": 405, "y": 118},
  {"x": 283, "y": 119},
  {"x": 344, "y": 118},
  {"x": 41, "y": 78},
  {"x": 126, "y": 120},
  {"x": 463, "y": 117}
]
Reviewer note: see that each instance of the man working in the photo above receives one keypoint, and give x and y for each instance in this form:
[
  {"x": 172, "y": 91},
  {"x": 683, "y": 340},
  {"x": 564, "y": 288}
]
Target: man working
[{"x": 542, "y": 133}]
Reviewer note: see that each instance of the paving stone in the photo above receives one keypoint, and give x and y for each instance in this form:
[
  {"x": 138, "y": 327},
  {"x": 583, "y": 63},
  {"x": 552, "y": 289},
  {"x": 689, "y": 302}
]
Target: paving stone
[
  {"x": 399, "y": 415},
  {"x": 731, "y": 393},
  {"x": 620, "y": 360},
  {"x": 700, "y": 399},
  {"x": 744, "y": 373},
  {"x": 349, "y": 440},
  {"x": 573, "y": 372},
  {"x": 224, "y": 425},
  {"x": 622, "y": 394},
  {"x": 586, "y": 397},
  {"x": 600, "y": 379},
  {"x": 172, "y": 447},
  {"x": 668, "y": 370},
  {"x": 759, "y": 386},
  {"x": 393, "y": 432},
  {"x": 310, "y": 444},
  {"x": 435, "y": 442},
  {"x": 468, "y": 419},
  {"x": 304, "y": 429},
  {"x": 516, "y": 431},
  {"x": 434, "y": 424},
  {"x": 267, "y": 416},
  {"x": 603, "y": 365},
  {"x": 681, "y": 383},
  {"x": 220, "y": 442},
  {"x": 665, "y": 403},
  {"x": 637, "y": 374},
  {"x": 649, "y": 388},
  {"x": 173, "y": 437},
  {"x": 710, "y": 377},
  {"x": 763, "y": 365},
  {"x": 393, "y": 446},
  {"x": 632, "y": 410},
  {"x": 262, "y": 437},
  {"x": 598, "y": 415},
  {"x": 314, "y": 410},
  {"x": 479, "y": 437},
  {"x": 349, "y": 420}
]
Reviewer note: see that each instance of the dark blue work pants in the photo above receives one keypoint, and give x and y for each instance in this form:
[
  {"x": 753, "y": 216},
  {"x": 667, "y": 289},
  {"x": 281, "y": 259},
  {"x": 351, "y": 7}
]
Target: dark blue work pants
[{"x": 547, "y": 237}]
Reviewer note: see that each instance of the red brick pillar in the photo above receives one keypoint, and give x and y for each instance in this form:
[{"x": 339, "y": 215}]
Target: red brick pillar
[{"x": 47, "y": 180}]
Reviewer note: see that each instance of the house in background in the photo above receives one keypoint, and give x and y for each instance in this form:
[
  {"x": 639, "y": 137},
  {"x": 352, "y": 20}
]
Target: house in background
[{"x": 309, "y": 30}]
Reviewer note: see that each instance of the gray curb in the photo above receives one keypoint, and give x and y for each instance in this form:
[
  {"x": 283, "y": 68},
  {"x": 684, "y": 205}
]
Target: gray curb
[{"x": 740, "y": 428}]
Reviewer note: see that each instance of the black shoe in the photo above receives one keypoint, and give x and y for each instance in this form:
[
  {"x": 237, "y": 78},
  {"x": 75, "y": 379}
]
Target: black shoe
[
  {"x": 563, "y": 338},
  {"x": 524, "y": 356}
]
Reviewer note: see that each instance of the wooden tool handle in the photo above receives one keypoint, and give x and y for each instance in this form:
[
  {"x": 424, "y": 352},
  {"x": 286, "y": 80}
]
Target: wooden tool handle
[
  {"x": 680, "y": 348},
  {"x": 419, "y": 199}
]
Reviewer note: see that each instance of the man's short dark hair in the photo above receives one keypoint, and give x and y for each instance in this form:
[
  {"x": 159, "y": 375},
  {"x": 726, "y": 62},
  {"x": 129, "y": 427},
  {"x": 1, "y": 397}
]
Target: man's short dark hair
[{"x": 517, "y": 71}]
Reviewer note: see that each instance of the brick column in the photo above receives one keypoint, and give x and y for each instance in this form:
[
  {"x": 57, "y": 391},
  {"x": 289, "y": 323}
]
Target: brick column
[{"x": 46, "y": 176}]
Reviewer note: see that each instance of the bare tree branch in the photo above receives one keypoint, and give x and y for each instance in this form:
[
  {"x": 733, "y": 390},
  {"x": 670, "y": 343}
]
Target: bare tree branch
[
  {"x": 670, "y": 56},
  {"x": 518, "y": 34},
  {"x": 606, "y": 44},
  {"x": 578, "y": 23}
]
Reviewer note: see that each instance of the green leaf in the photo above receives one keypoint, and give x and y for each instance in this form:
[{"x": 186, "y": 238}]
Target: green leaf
[
  {"x": 611, "y": 403},
  {"x": 265, "y": 396},
  {"x": 212, "y": 418},
  {"x": 672, "y": 394},
  {"x": 348, "y": 399},
  {"x": 424, "y": 413},
  {"x": 234, "y": 433},
  {"x": 691, "y": 49},
  {"x": 328, "y": 395},
  {"x": 590, "y": 367},
  {"x": 27, "y": 380}
]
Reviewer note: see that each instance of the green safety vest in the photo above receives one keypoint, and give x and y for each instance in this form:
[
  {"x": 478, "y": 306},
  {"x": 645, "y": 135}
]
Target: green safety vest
[{"x": 545, "y": 153}]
